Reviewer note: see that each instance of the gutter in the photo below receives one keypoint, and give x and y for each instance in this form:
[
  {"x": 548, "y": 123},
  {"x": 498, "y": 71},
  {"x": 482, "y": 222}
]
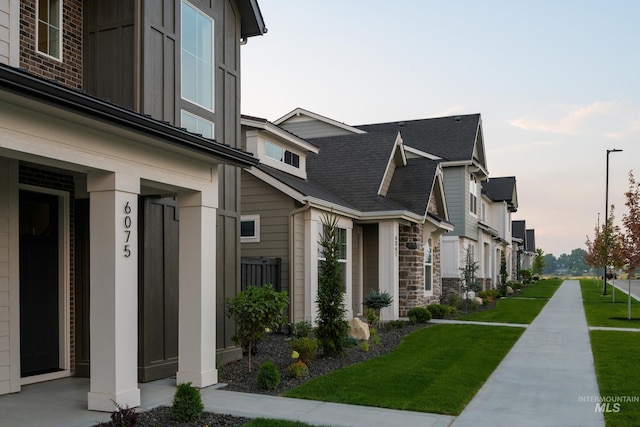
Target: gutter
[
  {"x": 22, "y": 83},
  {"x": 292, "y": 274}
]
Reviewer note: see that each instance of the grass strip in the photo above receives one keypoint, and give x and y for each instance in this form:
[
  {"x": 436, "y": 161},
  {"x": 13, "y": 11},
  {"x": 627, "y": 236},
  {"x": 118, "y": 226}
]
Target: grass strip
[
  {"x": 600, "y": 311},
  {"x": 516, "y": 310},
  {"x": 436, "y": 369},
  {"x": 615, "y": 356}
]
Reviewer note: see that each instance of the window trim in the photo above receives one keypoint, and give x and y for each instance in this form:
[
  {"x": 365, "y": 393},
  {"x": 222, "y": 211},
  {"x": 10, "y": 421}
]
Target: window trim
[
  {"x": 213, "y": 51},
  {"x": 47, "y": 23},
  {"x": 283, "y": 158},
  {"x": 429, "y": 251},
  {"x": 256, "y": 226}
]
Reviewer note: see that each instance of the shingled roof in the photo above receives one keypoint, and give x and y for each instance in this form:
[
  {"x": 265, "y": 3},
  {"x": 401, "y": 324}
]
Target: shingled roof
[
  {"x": 502, "y": 189},
  {"x": 451, "y": 138}
]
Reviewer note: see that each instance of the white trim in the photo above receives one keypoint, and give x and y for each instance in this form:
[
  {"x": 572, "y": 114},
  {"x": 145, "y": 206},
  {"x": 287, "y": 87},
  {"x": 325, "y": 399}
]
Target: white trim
[
  {"x": 281, "y": 133},
  {"x": 397, "y": 145},
  {"x": 421, "y": 153},
  {"x": 303, "y": 112},
  {"x": 64, "y": 286},
  {"x": 256, "y": 227}
]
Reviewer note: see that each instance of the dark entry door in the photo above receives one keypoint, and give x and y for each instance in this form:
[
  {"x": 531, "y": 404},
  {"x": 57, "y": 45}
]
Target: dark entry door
[
  {"x": 39, "y": 287},
  {"x": 158, "y": 289}
]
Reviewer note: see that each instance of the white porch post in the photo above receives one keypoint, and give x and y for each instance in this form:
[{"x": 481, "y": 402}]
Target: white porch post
[
  {"x": 197, "y": 306},
  {"x": 388, "y": 266},
  {"x": 114, "y": 290}
]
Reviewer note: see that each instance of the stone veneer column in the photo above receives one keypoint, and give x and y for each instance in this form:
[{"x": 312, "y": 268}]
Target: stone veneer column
[
  {"x": 411, "y": 267},
  {"x": 113, "y": 290},
  {"x": 197, "y": 306}
]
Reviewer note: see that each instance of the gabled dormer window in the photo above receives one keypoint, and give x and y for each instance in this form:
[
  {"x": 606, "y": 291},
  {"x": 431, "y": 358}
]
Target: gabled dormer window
[{"x": 281, "y": 154}]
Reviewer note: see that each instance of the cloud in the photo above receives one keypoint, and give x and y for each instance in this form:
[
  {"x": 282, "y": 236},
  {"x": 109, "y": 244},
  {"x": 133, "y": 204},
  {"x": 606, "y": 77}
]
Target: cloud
[
  {"x": 574, "y": 118},
  {"x": 526, "y": 147}
]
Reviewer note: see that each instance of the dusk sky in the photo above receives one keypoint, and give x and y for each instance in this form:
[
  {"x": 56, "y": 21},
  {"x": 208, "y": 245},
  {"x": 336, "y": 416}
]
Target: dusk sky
[{"x": 557, "y": 84}]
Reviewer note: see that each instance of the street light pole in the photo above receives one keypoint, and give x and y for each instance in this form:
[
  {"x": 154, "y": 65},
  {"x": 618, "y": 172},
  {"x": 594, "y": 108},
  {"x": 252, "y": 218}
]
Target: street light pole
[{"x": 606, "y": 224}]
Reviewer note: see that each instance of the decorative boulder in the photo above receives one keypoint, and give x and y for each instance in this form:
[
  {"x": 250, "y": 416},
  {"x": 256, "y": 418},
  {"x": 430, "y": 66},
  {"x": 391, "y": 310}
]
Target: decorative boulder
[
  {"x": 510, "y": 290},
  {"x": 478, "y": 300},
  {"x": 358, "y": 329}
]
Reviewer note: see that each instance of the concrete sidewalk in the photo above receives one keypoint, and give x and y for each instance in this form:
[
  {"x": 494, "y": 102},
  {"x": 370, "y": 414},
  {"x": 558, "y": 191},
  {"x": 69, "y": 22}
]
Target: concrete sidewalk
[{"x": 547, "y": 373}]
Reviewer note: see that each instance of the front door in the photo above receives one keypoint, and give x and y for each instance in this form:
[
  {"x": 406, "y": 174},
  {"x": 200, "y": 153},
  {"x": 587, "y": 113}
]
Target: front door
[{"x": 39, "y": 284}]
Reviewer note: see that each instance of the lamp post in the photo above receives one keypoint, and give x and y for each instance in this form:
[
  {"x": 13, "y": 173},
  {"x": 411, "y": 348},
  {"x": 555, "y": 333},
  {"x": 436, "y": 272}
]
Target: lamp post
[{"x": 606, "y": 224}]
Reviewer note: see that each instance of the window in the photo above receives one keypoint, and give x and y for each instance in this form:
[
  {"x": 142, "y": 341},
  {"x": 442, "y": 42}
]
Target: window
[
  {"x": 49, "y": 40},
  {"x": 473, "y": 199},
  {"x": 276, "y": 152},
  {"x": 341, "y": 237},
  {"x": 250, "y": 228},
  {"x": 196, "y": 124},
  {"x": 428, "y": 270},
  {"x": 197, "y": 57}
]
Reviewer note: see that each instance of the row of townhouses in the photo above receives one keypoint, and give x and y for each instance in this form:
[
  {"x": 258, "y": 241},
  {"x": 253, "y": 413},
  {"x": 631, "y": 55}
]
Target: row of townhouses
[{"x": 134, "y": 197}]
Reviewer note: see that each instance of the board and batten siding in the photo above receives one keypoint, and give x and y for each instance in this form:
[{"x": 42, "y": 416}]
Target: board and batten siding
[
  {"x": 259, "y": 198},
  {"x": 299, "y": 268},
  {"x": 456, "y": 190}
]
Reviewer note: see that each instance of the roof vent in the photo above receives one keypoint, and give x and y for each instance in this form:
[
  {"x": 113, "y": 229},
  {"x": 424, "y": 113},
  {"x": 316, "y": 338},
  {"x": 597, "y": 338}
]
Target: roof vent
[
  {"x": 457, "y": 118},
  {"x": 400, "y": 124}
]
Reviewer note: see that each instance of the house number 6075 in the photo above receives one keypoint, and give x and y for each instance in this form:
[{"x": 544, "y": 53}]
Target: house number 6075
[{"x": 127, "y": 229}]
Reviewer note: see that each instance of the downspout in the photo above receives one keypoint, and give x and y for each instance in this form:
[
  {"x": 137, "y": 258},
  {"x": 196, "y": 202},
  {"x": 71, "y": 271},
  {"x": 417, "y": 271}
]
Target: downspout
[{"x": 292, "y": 275}]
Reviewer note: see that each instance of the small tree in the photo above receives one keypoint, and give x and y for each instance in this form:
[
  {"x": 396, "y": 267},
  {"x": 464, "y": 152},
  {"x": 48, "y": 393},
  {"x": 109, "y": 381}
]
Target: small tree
[
  {"x": 255, "y": 310},
  {"x": 606, "y": 248},
  {"x": 503, "y": 273},
  {"x": 469, "y": 280},
  {"x": 332, "y": 326},
  {"x": 377, "y": 300},
  {"x": 538, "y": 263},
  {"x": 631, "y": 222}
]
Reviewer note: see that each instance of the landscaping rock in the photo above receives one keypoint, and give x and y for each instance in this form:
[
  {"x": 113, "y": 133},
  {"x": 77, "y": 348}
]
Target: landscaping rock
[
  {"x": 478, "y": 300},
  {"x": 510, "y": 290},
  {"x": 358, "y": 329}
]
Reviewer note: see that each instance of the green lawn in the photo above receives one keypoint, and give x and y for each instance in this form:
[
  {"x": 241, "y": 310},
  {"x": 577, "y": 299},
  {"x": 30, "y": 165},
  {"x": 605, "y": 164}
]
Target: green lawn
[
  {"x": 520, "y": 308},
  {"x": 600, "y": 311},
  {"x": 436, "y": 369},
  {"x": 616, "y": 361}
]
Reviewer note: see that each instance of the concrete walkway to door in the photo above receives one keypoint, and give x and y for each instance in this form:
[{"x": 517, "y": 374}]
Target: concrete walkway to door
[{"x": 548, "y": 377}]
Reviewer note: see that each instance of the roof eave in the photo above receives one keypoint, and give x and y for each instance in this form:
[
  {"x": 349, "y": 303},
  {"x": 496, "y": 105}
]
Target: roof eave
[
  {"x": 31, "y": 87},
  {"x": 251, "y": 20}
]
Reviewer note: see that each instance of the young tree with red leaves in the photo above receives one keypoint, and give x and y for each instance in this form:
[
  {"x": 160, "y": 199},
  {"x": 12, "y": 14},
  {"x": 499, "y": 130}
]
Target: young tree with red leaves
[
  {"x": 631, "y": 222},
  {"x": 607, "y": 247}
]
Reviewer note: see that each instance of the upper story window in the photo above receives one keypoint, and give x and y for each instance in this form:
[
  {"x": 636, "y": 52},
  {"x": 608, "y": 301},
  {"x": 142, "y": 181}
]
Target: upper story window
[
  {"x": 196, "y": 124},
  {"x": 279, "y": 153},
  {"x": 473, "y": 198},
  {"x": 49, "y": 34},
  {"x": 197, "y": 57}
]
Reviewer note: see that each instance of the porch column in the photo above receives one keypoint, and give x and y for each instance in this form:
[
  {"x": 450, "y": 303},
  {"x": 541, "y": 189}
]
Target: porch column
[
  {"x": 388, "y": 266},
  {"x": 197, "y": 306},
  {"x": 113, "y": 315}
]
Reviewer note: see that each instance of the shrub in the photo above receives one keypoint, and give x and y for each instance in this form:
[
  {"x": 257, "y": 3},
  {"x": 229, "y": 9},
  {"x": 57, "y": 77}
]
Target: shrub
[
  {"x": 349, "y": 342},
  {"x": 422, "y": 314},
  {"x": 467, "y": 305},
  {"x": 187, "y": 403},
  {"x": 301, "y": 329},
  {"x": 413, "y": 320},
  {"x": 364, "y": 345},
  {"x": 256, "y": 310},
  {"x": 489, "y": 295},
  {"x": 374, "y": 337},
  {"x": 306, "y": 348},
  {"x": 526, "y": 276},
  {"x": 438, "y": 311},
  {"x": 452, "y": 300},
  {"x": 372, "y": 317},
  {"x": 378, "y": 300},
  {"x": 395, "y": 324},
  {"x": 298, "y": 369},
  {"x": 268, "y": 376},
  {"x": 123, "y": 416}
]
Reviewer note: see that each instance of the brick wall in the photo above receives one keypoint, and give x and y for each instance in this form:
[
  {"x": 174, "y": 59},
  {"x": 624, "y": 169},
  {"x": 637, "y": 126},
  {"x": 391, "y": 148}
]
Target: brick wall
[
  {"x": 68, "y": 71},
  {"x": 58, "y": 181}
]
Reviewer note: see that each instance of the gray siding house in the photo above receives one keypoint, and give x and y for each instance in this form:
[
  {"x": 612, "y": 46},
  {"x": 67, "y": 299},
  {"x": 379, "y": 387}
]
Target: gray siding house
[
  {"x": 120, "y": 167},
  {"x": 390, "y": 208}
]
